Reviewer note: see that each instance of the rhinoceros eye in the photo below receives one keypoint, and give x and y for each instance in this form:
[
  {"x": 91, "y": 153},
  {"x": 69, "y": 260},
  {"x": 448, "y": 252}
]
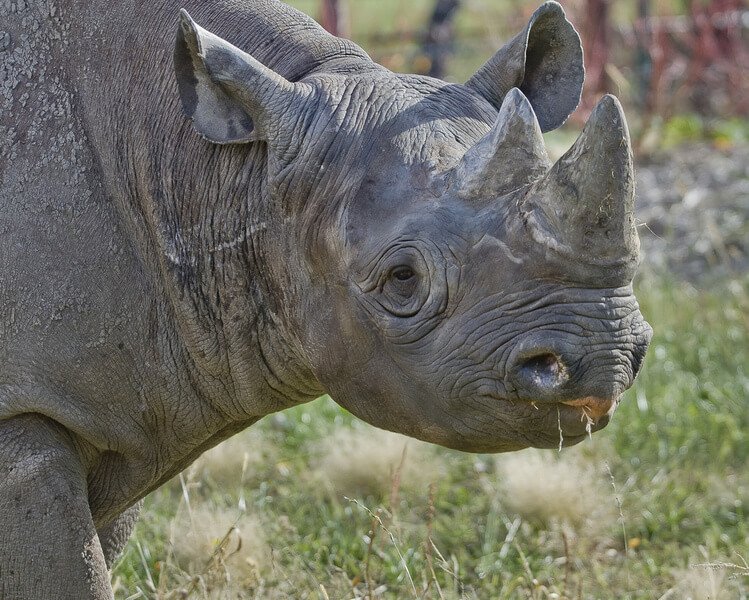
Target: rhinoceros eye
[
  {"x": 402, "y": 291},
  {"x": 402, "y": 273},
  {"x": 399, "y": 280}
]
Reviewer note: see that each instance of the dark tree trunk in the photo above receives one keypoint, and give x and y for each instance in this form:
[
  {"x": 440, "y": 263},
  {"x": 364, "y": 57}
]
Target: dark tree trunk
[
  {"x": 333, "y": 17},
  {"x": 438, "y": 42},
  {"x": 596, "y": 44}
]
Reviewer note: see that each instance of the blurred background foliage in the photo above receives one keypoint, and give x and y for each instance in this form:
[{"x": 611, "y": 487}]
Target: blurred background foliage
[
  {"x": 313, "y": 504},
  {"x": 663, "y": 58}
]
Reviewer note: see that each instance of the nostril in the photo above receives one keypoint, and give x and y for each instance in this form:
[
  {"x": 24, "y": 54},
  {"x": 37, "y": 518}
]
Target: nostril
[
  {"x": 637, "y": 357},
  {"x": 543, "y": 370}
]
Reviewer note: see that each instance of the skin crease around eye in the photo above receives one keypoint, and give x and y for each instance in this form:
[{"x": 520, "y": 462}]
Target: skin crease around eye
[{"x": 403, "y": 292}]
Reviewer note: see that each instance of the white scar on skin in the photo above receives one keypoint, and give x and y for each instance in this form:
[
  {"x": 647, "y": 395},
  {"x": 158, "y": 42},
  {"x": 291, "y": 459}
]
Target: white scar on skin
[
  {"x": 239, "y": 239},
  {"x": 505, "y": 248}
]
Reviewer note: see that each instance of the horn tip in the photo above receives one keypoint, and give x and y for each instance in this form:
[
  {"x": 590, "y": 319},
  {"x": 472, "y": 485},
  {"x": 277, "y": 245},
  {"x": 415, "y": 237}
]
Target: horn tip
[
  {"x": 515, "y": 95},
  {"x": 610, "y": 104},
  {"x": 517, "y": 104},
  {"x": 608, "y": 114}
]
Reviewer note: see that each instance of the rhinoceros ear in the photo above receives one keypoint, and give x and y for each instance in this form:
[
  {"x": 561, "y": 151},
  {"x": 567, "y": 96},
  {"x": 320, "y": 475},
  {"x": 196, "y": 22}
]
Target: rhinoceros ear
[
  {"x": 230, "y": 96},
  {"x": 545, "y": 61}
]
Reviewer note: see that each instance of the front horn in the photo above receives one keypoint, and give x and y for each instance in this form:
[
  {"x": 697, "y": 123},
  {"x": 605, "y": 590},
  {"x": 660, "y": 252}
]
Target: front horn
[{"x": 583, "y": 209}]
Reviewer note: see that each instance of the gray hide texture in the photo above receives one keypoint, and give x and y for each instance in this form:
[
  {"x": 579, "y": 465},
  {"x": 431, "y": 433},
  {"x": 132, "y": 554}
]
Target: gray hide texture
[{"x": 197, "y": 233}]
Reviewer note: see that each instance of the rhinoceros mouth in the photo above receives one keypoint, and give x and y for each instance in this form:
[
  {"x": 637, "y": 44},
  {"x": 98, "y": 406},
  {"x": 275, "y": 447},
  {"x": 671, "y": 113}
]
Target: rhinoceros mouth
[
  {"x": 594, "y": 407},
  {"x": 567, "y": 422},
  {"x": 585, "y": 415}
]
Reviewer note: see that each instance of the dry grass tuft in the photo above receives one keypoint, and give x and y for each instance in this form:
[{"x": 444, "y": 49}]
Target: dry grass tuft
[
  {"x": 702, "y": 583},
  {"x": 364, "y": 461},
  {"x": 221, "y": 550},
  {"x": 545, "y": 487},
  {"x": 240, "y": 459}
]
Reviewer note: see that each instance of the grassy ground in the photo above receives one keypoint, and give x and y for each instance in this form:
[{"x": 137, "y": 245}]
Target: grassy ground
[{"x": 313, "y": 504}]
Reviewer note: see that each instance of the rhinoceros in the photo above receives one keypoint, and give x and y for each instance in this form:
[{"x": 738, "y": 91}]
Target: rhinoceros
[{"x": 284, "y": 218}]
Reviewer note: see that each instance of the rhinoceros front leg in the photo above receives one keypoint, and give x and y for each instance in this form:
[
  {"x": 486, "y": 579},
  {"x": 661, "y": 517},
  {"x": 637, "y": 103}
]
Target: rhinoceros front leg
[
  {"x": 114, "y": 536},
  {"x": 48, "y": 543}
]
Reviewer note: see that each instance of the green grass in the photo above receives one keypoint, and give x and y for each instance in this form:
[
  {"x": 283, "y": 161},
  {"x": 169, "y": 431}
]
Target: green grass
[{"x": 676, "y": 451}]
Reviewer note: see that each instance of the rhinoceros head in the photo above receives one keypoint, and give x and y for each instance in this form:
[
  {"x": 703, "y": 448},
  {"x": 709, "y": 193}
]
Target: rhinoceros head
[{"x": 439, "y": 275}]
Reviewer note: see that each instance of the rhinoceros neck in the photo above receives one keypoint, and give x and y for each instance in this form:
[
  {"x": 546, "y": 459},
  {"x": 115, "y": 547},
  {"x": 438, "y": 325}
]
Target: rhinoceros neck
[{"x": 197, "y": 210}]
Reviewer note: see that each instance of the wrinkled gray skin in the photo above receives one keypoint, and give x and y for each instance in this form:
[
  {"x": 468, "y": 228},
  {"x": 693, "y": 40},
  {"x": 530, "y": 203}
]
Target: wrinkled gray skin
[{"x": 400, "y": 243}]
